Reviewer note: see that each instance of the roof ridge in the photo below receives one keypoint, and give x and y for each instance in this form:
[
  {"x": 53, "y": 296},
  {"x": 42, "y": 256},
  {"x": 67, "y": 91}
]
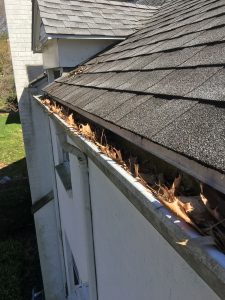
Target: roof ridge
[{"x": 117, "y": 3}]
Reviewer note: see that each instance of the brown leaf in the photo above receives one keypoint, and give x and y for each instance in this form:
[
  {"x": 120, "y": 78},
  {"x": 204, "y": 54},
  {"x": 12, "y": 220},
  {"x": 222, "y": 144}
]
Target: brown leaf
[
  {"x": 46, "y": 102},
  {"x": 119, "y": 155},
  {"x": 70, "y": 120},
  {"x": 87, "y": 132},
  {"x": 178, "y": 208},
  {"x": 136, "y": 170},
  {"x": 102, "y": 148},
  {"x": 176, "y": 184},
  {"x": 188, "y": 207},
  {"x": 182, "y": 243},
  {"x": 214, "y": 201}
]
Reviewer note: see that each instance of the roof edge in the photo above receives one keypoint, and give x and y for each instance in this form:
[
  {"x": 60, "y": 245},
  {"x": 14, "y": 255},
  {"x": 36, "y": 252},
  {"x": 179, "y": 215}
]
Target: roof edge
[
  {"x": 205, "y": 174},
  {"x": 84, "y": 37},
  {"x": 207, "y": 261},
  {"x": 49, "y": 37}
]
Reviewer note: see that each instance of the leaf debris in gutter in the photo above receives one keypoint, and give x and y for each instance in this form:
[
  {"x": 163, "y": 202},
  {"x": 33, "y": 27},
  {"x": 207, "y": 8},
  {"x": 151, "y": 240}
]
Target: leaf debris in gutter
[
  {"x": 79, "y": 70},
  {"x": 204, "y": 211}
]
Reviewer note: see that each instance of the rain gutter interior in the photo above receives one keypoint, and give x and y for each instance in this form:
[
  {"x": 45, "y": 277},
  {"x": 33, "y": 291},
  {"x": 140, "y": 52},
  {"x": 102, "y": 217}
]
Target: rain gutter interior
[{"x": 204, "y": 174}]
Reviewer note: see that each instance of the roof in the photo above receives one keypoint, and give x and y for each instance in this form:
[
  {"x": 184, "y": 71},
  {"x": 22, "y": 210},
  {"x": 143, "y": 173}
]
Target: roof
[
  {"x": 92, "y": 17},
  {"x": 35, "y": 82},
  {"x": 165, "y": 83}
]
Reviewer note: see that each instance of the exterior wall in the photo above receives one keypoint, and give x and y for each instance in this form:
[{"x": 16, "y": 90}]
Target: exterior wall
[
  {"x": 72, "y": 210},
  {"x": 51, "y": 55},
  {"x": 133, "y": 261},
  {"x": 26, "y": 65},
  {"x": 42, "y": 180},
  {"x": 69, "y": 53},
  {"x": 74, "y": 52},
  {"x": 75, "y": 220}
]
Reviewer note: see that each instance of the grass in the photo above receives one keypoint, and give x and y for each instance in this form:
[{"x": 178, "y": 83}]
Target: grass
[
  {"x": 11, "y": 262},
  {"x": 11, "y": 141},
  {"x": 19, "y": 264}
]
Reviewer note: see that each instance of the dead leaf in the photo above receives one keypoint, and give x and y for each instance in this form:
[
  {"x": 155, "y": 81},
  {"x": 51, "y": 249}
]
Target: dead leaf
[
  {"x": 182, "y": 243},
  {"x": 178, "y": 208},
  {"x": 188, "y": 207},
  {"x": 46, "y": 102},
  {"x": 176, "y": 184},
  {"x": 136, "y": 170},
  {"x": 119, "y": 155},
  {"x": 86, "y": 131}
]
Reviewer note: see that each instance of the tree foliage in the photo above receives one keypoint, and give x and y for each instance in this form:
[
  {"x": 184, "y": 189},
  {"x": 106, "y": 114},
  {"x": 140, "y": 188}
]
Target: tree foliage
[{"x": 7, "y": 87}]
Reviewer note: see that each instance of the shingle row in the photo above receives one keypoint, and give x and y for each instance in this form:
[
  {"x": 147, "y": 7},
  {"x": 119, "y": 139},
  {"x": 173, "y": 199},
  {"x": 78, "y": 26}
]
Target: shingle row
[
  {"x": 165, "y": 82},
  {"x": 92, "y": 17}
]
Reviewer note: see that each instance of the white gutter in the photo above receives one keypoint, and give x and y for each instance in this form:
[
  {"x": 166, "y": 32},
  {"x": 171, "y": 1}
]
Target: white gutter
[
  {"x": 206, "y": 260},
  {"x": 49, "y": 37},
  {"x": 84, "y": 37},
  {"x": 204, "y": 174}
]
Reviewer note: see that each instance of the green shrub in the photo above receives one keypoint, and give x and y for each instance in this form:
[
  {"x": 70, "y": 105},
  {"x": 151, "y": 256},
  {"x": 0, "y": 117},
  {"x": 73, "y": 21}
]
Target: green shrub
[{"x": 7, "y": 87}]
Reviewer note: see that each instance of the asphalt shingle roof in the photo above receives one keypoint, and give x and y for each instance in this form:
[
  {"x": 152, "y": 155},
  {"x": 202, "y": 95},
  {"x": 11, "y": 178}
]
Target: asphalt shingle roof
[
  {"x": 92, "y": 17},
  {"x": 166, "y": 82}
]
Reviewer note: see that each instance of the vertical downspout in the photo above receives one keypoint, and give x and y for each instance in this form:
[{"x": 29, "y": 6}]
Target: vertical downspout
[{"x": 83, "y": 164}]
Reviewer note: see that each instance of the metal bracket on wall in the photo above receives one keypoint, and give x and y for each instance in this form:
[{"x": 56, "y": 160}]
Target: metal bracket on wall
[{"x": 42, "y": 202}]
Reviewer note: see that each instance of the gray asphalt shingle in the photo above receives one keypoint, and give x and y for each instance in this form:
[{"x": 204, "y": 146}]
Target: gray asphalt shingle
[
  {"x": 155, "y": 114},
  {"x": 211, "y": 54},
  {"x": 166, "y": 82},
  {"x": 182, "y": 81},
  {"x": 106, "y": 103},
  {"x": 90, "y": 17},
  {"x": 213, "y": 88},
  {"x": 199, "y": 134}
]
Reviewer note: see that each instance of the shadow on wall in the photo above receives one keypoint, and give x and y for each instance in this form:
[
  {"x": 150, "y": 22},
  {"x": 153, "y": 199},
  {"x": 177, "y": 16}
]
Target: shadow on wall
[{"x": 33, "y": 72}]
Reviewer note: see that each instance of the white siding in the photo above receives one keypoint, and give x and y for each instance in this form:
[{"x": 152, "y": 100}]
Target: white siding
[
  {"x": 75, "y": 215},
  {"x": 69, "y": 53},
  {"x": 74, "y": 52},
  {"x": 42, "y": 181},
  {"x": 51, "y": 55},
  {"x": 133, "y": 260}
]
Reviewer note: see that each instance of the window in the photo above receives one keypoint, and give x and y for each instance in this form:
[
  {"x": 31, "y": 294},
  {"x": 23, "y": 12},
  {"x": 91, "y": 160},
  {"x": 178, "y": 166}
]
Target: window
[
  {"x": 63, "y": 166},
  {"x": 76, "y": 289},
  {"x": 56, "y": 74},
  {"x": 63, "y": 170}
]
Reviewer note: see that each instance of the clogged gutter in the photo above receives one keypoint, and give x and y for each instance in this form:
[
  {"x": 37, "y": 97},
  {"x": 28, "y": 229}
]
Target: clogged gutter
[{"x": 204, "y": 211}]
